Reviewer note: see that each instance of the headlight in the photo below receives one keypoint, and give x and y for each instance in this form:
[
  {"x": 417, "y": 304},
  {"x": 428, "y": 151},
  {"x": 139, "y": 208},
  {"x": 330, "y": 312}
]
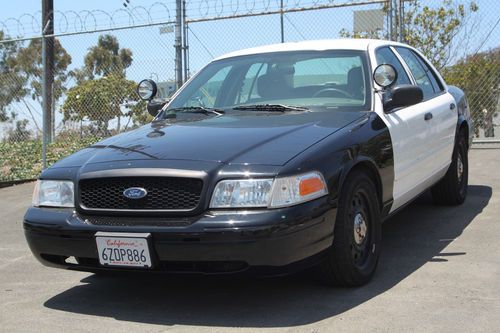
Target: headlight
[
  {"x": 54, "y": 193},
  {"x": 271, "y": 193},
  {"x": 242, "y": 193}
]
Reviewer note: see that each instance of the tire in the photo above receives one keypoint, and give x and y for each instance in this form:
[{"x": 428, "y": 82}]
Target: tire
[
  {"x": 452, "y": 189},
  {"x": 352, "y": 259}
]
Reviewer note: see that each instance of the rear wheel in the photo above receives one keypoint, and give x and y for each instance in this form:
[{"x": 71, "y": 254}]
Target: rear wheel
[
  {"x": 452, "y": 189},
  {"x": 353, "y": 257}
]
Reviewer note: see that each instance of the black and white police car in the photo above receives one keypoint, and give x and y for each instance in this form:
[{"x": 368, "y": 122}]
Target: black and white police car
[{"x": 268, "y": 159}]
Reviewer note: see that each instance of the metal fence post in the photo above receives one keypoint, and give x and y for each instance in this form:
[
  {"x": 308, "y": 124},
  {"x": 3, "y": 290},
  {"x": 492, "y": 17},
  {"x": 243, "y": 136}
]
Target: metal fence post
[
  {"x": 178, "y": 43},
  {"x": 185, "y": 43},
  {"x": 48, "y": 74},
  {"x": 401, "y": 15},
  {"x": 282, "y": 23}
]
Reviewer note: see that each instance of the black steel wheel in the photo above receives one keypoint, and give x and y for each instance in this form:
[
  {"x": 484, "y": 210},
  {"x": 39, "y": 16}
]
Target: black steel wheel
[{"x": 353, "y": 256}]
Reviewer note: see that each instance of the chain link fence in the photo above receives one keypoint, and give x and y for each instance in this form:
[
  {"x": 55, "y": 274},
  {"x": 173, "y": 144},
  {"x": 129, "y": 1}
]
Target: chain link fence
[{"x": 99, "y": 57}]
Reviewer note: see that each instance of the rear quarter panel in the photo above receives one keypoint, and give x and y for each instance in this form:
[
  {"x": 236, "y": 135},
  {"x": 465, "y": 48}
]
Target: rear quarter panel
[{"x": 463, "y": 110}]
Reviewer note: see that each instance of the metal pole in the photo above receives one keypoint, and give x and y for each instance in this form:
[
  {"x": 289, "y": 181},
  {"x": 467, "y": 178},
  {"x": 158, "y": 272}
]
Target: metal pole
[
  {"x": 178, "y": 43},
  {"x": 53, "y": 114},
  {"x": 282, "y": 22},
  {"x": 389, "y": 19},
  {"x": 48, "y": 74},
  {"x": 393, "y": 20},
  {"x": 185, "y": 43},
  {"x": 45, "y": 123},
  {"x": 401, "y": 21}
]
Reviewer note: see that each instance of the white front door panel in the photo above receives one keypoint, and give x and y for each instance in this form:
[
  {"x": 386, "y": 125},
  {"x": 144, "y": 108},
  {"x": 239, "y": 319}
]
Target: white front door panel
[{"x": 410, "y": 138}]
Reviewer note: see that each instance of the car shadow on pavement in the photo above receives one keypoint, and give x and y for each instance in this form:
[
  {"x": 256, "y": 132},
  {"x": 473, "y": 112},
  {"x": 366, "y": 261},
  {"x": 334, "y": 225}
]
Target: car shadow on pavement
[{"x": 415, "y": 236}]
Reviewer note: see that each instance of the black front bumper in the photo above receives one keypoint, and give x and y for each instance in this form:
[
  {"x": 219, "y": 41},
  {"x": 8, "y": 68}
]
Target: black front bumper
[{"x": 215, "y": 242}]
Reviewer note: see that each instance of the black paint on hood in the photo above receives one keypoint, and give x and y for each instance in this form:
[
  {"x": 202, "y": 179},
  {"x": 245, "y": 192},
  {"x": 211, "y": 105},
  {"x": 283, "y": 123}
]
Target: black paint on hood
[{"x": 240, "y": 138}]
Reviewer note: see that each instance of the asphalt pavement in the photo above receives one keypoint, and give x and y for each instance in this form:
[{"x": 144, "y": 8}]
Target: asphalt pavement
[{"x": 439, "y": 272}]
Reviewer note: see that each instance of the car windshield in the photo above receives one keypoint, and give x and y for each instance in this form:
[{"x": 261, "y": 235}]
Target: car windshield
[{"x": 281, "y": 81}]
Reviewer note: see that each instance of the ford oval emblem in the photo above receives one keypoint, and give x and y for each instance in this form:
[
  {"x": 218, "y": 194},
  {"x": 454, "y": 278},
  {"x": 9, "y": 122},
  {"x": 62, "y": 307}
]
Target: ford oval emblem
[{"x": 135, "y": 193}]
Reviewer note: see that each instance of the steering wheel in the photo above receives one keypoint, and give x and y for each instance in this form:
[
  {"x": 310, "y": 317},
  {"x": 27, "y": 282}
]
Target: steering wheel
[{"x": 332, "y": 90}]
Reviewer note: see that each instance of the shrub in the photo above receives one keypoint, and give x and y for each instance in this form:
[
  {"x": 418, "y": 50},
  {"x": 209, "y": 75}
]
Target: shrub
[{"x": 23, "y": 160}]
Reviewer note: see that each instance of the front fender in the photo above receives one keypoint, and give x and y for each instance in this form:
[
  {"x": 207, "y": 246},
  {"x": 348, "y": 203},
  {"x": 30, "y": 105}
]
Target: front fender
[{"x": 363, "y": 143}]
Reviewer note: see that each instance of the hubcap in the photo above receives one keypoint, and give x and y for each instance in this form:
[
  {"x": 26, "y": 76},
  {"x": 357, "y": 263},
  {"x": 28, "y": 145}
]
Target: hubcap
[
  {"x": 460, "y": 167},
  {"x": 359, "y": 229}
]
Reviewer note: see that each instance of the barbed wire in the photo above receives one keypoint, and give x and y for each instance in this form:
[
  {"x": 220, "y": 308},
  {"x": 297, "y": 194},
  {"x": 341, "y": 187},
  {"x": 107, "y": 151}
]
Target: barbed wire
[
  {"x": 29, "y": 25},
  {"x": 204, "y": 10}
]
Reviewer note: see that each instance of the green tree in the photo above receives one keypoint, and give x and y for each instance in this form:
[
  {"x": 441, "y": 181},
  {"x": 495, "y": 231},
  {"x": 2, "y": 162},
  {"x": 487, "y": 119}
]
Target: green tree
[
  {"x": 12, "y": 79},
  {"x": 430, "y": 29},
  {"x": 103, "y": 93},
  {"x": 104, "y": 59},
  {"x": 29, "y": 62},
  {"x": 479, "y": 76},
  {"x": 433, "y": 30},
  {"x": 101, "y": 100}
]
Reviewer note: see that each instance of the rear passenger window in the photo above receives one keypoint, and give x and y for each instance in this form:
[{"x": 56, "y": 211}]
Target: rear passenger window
[
  {"x": 386, "y": 56},
  {"x": 436, "y": 84},
  {"x": 424, "y": 77}
]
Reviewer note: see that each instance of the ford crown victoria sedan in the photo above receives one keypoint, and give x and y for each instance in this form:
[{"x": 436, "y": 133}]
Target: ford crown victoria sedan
[{"x": 268, "y": 159}]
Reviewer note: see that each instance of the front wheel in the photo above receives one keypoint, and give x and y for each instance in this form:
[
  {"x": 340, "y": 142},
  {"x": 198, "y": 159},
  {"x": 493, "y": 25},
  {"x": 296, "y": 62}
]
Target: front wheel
[
  {"x": 353, "y": 257},
  {"x": 452, "y": 189}
]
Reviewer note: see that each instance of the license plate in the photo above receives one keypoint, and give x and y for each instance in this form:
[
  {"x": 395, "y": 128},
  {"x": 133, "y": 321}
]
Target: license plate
[{"x": 123, "y": 249}]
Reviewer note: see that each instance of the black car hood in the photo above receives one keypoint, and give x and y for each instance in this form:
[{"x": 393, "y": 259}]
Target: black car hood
[{"x": 252, "y": 138}]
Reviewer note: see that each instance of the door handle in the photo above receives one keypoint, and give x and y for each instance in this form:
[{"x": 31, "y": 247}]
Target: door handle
[{"x": 428, "y": 116}]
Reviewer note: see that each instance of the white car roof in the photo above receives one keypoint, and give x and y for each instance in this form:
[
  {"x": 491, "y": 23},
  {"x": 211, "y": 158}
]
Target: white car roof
[{"x": 313, "y": 45}]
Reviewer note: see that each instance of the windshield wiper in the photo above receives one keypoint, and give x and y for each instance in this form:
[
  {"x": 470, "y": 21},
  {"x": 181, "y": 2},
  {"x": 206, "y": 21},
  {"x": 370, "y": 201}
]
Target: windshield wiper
[
  {"x": 195, "y": 109},
  {"x": 271, "y": 107}
]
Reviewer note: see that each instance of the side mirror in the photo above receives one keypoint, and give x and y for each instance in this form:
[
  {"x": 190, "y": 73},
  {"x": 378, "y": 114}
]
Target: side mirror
[
  {"x": 147, "y": 89},
  {"x": 154, "y": 106},
  {"x": 403, "y": 95}
]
